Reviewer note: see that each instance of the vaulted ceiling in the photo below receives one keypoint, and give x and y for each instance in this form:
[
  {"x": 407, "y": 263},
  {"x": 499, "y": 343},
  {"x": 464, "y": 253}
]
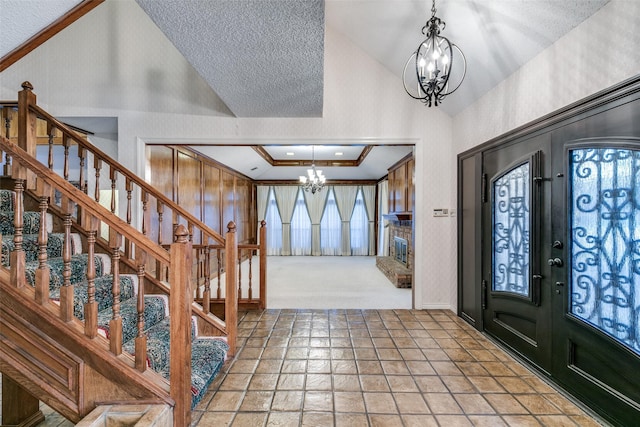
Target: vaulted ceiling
[{"x": 265, "y": 58}]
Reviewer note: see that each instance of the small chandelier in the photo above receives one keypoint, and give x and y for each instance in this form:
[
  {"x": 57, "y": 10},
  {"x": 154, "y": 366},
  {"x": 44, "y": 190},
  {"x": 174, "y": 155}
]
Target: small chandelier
[
  {"x": 314, "y": 181},
  {"x": 430, "y": 80}
]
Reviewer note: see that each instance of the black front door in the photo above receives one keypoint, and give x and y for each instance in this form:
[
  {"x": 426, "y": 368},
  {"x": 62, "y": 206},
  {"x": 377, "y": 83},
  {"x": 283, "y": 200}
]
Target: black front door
[
  {"x": 596, "y": 308},
  {"x": 515, "y": 287}
]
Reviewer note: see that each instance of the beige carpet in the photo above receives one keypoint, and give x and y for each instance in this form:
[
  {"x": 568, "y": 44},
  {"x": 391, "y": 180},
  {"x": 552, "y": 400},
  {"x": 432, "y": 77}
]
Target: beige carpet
[{"x": 331, "y": 282}]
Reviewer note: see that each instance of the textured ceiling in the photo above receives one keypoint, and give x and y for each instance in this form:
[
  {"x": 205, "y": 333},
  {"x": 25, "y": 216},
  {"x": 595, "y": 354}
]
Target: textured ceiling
[
  {"x": 22, "y": 19},
  {"x": 264, "y": 58}
]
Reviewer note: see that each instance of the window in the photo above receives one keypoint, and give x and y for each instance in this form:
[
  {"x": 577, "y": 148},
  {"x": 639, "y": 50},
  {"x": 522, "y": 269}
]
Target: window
[
  {"x": 511, "y": 231},
  {"x": 330, "y": 227},
  {"x": 359, "y": 227},
  {"x": 300, "y": 228},
  {"x": 274, "y": 233}
]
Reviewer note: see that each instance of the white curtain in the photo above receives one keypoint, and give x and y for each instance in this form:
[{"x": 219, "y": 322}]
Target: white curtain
[
  {"x": 383, "y": 224},
  {"x": 330, "y": 227},
  {"x": 315, "y": 206},
  {"x": 300, "y": 228},
  {"x": 274, "y": 224},
  {"x": 359, "y": 227},
  {"x": 286, "y": 198},
  {"x": 369, "y": 195},
  {"x": 345, "y": 198}
]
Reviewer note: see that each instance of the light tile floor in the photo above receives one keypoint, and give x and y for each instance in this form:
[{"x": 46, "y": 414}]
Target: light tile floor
[
  {"x": 373, "y": 368},
  {"x": 376, "y": 368}
]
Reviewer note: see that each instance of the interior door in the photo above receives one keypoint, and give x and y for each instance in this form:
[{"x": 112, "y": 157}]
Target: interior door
[
  {"x": 515, "y": 287},
  {"x": 596, "y": 211}
]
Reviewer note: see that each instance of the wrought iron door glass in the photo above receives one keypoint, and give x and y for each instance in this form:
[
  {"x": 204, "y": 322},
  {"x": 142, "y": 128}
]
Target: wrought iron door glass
[
  {"x": 605, "y": 241},
  {"x": 511, "y": 230}
]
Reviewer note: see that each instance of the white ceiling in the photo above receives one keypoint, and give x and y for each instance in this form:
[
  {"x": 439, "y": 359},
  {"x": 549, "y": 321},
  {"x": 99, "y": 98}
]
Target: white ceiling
[
  {"x": 249, "y": 162},
  {"x": 264, "y": 58}
]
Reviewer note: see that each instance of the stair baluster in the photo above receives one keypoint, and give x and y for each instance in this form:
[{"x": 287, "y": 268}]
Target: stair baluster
[
  {"x": 141, "y": 339},
  {"x": 250, "y": 291},
  {"x": 113, "y": 176},
  {"x": 7, "y": 126},
  {"x": 82, "y": 154},
  {"x": 67, "y": 288},
  {"x": 50, "y": 132},
  {"x": 144, "y": 197},
  {"x": 219, "y": 265},
  {"x": 97, "y": 165},
  {"x": 128, "y": 244},
  {"x": 159, "y": 267},
  {"x": 206, "y": 296},
  {"x": 115, "y": 325},
  {"x": 91, "y": 307},
  {"x": 17, "y": 256},
  {"x": 42, "y": 273},
  {"x": 65, "y": 144},
  {"x": 239, "y": 273}
]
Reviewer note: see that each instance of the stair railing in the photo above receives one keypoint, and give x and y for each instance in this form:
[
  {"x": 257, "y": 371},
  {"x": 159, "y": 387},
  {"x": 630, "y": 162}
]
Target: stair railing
[
  {"x": 177, "y": 261},
  {"x": 159, "y": 215}
]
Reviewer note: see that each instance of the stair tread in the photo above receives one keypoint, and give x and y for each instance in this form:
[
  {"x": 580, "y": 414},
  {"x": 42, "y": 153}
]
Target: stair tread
[
  {"x": 30, "y": 219},
  {"x": 78, "y": 269},
  {"x": 155, "y": 311},
  {"x": 103, "y": 294},
  {"x": 30, "y": 246}
]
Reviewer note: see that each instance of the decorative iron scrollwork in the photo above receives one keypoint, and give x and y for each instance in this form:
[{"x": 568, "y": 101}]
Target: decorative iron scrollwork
[
  {"x": 605, "y": 241},
  {"x": 511, "y": 230}
]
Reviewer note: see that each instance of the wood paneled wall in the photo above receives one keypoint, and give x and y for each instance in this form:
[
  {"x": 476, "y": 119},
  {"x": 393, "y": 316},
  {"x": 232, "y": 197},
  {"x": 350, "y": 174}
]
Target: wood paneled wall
[{"x": 212, "y": 192}]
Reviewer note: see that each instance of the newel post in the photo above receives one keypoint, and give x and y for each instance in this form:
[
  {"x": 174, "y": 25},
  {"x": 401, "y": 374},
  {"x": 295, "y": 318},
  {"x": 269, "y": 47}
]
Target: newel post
[
  {"x": 231, "y": 290},
  {"x": 180, "y": 315},
  {"x": 263, "y": 264},
  {"x": 27, "y": 121}
]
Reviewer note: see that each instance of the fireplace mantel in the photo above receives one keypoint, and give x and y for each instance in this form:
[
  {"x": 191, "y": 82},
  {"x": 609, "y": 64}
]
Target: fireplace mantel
[{"x": 398, "y": 216}]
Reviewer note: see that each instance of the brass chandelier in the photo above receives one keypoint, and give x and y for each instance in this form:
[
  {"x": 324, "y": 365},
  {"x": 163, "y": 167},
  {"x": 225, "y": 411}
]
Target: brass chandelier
[{"x": 430, "y": 81}]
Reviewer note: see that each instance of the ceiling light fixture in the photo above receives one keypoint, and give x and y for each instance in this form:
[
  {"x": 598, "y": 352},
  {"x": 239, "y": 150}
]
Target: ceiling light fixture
[
  {"x": 434, "y": 60},
  {"x": 314, "y": 182}
]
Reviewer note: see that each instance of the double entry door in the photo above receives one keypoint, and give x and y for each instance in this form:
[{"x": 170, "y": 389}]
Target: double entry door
[{"x": 561, "y": 263}]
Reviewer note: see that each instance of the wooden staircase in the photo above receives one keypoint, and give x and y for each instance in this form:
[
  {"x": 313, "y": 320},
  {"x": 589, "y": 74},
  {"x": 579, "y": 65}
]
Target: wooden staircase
[{"x": 84, "y": 318}]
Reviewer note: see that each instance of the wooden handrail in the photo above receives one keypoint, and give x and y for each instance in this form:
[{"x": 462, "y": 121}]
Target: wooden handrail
[
  {"x": 68, "y": 132},
  {"x": 115, "y": 166},
  {"x": 90, "y": 206}
]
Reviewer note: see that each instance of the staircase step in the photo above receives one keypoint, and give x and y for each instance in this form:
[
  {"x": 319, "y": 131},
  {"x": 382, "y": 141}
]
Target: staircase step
[
  {"x": 31, "y": 222},
  {"x": 207, "y": 357},
  {"x": 158, "y": 344},
  {"x": 156, "y": 310},
  {"x": 7, "y": 200},
  {"x": 78, "y": 269},
  {"x": 104, "y": 297},
  {"x": 30, "y": 246}
]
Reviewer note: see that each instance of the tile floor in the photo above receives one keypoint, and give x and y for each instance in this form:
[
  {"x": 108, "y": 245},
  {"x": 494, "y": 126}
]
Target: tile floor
[
  {"x": 373, "y": 368},
  {"x": 376, "y": 368}
]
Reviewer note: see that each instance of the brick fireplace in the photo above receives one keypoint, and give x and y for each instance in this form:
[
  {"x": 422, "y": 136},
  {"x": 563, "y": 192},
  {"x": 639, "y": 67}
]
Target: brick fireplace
[{"x": 398, "y": 266}]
